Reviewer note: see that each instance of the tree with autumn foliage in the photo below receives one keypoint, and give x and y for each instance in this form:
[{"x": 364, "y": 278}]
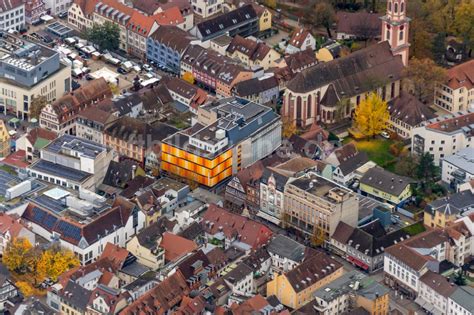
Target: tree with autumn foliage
[
  {"x": 21, "y": 257},
  {"x": 371, "y": 115},
  {"x": 288, "y": 127},
  {"x": 17, "y": 255},
  {"x": 188, "y": 77},
  {"x": 422, "y": 76}
]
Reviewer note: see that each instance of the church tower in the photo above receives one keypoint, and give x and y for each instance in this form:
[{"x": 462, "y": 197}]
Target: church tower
[{"x": 395, "y": 25}]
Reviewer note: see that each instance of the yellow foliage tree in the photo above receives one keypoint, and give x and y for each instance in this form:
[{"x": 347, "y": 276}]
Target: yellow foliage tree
[
  {"x": 271, "y": 3},
  {"x": 371, "y": 115},
  {"x": 188, "y": 77},
  {"x": 16, "y": 255},
  {"x": 58, "y": 261},
  {"x": 37, "y": 266},
  {"x": 288, "y": 128},
  {"x": 25, "y": 288},
  {"x": 318, "y": 238}
]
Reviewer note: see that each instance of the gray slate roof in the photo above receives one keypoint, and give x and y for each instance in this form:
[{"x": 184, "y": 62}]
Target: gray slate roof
[
  {"x": 351, "y": 75},
  {"x": 464, "y": 160},
  {"x": 284, "y": 246},
  {"x": 385, "y": 181}
]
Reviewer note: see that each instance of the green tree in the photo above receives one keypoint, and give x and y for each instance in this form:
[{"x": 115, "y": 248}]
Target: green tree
[
  {"x": 406, "y": 166},
  {"x": 37, "y": 104},
  {"x": 106, "y": 36},
  {"x": 438, "y": 48},
  {"x": 426, "y": 170},
  {"x": 371, "y": 115},
  {"x": 459, "y": 278},
  {"x": 422, "y": 77}
]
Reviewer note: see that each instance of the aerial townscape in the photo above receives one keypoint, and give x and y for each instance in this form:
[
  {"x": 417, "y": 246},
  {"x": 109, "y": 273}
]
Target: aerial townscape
[{"x": 237, "y": 157}]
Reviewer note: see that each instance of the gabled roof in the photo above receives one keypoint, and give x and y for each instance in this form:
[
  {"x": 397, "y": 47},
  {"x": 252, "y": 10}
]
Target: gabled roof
[
  {"x": 140, "y": 24},
  {"x": 343, "y": 232},
  {"x": 250, "y": 48},
  {"x": 226, "y": 21},
  {"x": 461, "y": 76},
  {"x": 162, "y": 298},
  {"x": 286, "y": 247},
  {"x": 250, "y": 175},
  {"x": 76, "y": 296},
  {"x": 255, "y": 86},
  {"x": 67, "y": 106},
  {"x": 120, "y": 173},
  {"x": 360, "y": 24},
  {"x": 353, "y": 74},
  {"x": 40, "y": 137},
  {"x": 408, "y": 109},
  {"x": 298, "y": 37},
  {"x": 87, "y": 6},
  {"x": 169, "y": 16},
  {"x": 234, "y": 226},
  {"x": 176, "y": 246},
  {"x": 10, "y": 225},
  {"x": 7, "y": 5},
  {"x": 312, "y": 270},
  {"x": 301, "y": 60},
  {"x": 385, "y": 181},
  {"x": 150, "y": 236}
]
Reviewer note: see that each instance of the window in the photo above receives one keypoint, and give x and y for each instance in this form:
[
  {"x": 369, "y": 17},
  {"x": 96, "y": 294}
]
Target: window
[
  {"x": 390, "y": 6},
  {"x": 400, "y": 35},
  {"x": 402, "y": 7},
  {"x": 395, "y": 8}
]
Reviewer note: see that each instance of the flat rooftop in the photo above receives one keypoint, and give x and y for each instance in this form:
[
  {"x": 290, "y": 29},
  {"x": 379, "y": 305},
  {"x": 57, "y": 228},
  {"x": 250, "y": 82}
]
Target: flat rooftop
[
  {"x": 70, "y": 143},
  {"x": 319, "y": 186},
  {"x": 64, "y": 202},
  {"x": 238, "y": 118},
  {"x": 59, "y": 29},
  {"x": 60, "y": 171},
  {"x": 168, "y": 183},
  {"x": 21, "y": 53}
]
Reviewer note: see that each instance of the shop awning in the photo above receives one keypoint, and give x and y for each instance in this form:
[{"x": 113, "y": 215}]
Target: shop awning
[{"x": 358, "y": 263}]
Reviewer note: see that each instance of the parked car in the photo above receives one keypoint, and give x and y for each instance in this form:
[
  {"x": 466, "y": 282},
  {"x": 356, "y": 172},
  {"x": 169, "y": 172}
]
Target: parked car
[
  {"x": 385, "y": 135},
  {"x": 147, "y": 67},
  {"x": 89, "y": 77},
  {"x": 62, "y": 15},
  {"x": 121, "y": 70}
]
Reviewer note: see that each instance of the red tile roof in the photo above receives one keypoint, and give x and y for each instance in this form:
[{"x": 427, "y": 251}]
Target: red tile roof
[
  {"x": 170, "y": 16},
  {"x": 40, "y": 133},
  {"x": 16, "y": 159},
  {"x": 176, "y": 246},
  {"x": 161, "y": 298},
  {"x": 141, "y": 24},
  {"x": 87, "y": 6},
  {"x": 115, "y": 254},
  {"x": 453, "y": 124},
  {"x": 298, "y": 37},
  {"x": 461, "y": 75},
  {"x": 235, "y": 226},
  {"x": 8, "y": 224}
]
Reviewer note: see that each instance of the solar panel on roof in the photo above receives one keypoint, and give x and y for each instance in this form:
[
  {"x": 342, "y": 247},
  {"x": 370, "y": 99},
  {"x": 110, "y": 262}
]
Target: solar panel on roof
[
  {"x": 69, "y": 230},
  {"x": 50, "y": 221}
]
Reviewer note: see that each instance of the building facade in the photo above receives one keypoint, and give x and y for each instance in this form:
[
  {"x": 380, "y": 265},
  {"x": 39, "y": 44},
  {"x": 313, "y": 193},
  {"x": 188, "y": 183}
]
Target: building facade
[
  {"x": 443, "y": 136},
  {"x": 314, "y": 205},
  {"x": 457, "y": 93},
  {"x": 224, "y": 144},
  {"x": 22, "y": 76},
  {"x": 395, "y": 27},
  {"x": 12, "y": 15}
]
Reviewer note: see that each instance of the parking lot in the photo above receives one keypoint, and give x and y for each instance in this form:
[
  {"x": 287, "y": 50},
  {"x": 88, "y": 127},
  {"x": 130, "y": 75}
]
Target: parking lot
[{"x": 84, "y": 60}]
